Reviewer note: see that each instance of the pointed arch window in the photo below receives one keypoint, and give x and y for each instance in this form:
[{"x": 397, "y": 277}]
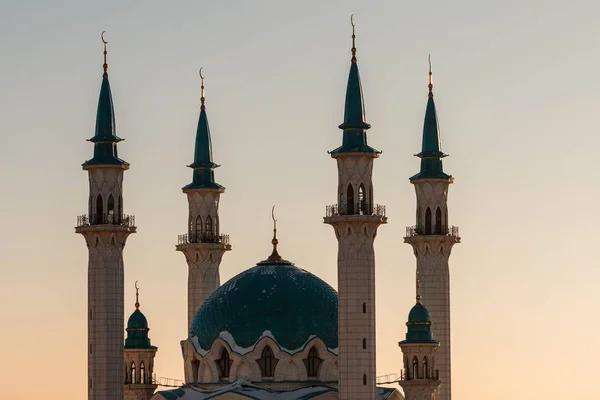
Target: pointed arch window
[
  {"x": 438, "y": 221},
  {"x": 142, "y": 373},
  {"x": 224, "y": 364},
  {"x": 198, "y": 229},
  {"x": 99, "y": 210},
  {"x": 415, "y": 368},
  {"x": 362, "y": 200},
  {"x": 209, "y": 227},
  {"x": 110, "y": 208},
  {"x": 428, "y": 221},
  {"x": 313, "y": 363},
  {"x": 267, "y": 362},
  {"x": 425, "y": 368},
  {"x": 350, "y": 200},
  {"x": 133, "y": 375}
]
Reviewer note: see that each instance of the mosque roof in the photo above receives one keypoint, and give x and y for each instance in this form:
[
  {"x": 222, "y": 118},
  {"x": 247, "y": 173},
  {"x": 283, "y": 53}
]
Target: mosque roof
[
  {"x": 248, "y": 390},
  {"x": 289, "y": 302}
]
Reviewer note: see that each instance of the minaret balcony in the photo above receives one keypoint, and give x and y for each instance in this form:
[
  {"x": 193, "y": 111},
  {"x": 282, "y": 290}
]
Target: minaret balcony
[
  {"x": 105, "y": 219},
  {"x": 360, "y": 208},
  {"x": 440, "y": 230},
  {"x": 427, "y": 374},
  {"x": 203, "y": 238}
]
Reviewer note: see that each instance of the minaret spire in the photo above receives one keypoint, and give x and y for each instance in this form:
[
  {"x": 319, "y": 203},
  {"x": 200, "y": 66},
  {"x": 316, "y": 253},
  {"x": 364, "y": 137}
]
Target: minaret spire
[
  {"x": 202, "y": 107},
  {"x": 430, "y": 79},
  {"x": 353, "y": 39},
  {"x": 137, "y": 296}
]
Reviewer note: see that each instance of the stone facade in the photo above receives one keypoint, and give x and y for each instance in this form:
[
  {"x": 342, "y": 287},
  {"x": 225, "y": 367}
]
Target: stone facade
[
  {"x": 432, "y": 240},
  {"x": 105, "y": 230},
  {"x": 139, "y": 370},
  {"x": 203, "y": 247},
  {"x": 420, "y": 377},
  {"x": 355, "y": 220}
]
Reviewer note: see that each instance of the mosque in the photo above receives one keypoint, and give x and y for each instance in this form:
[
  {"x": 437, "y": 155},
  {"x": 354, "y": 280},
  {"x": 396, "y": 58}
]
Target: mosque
[{"x": 275, "y": 331}]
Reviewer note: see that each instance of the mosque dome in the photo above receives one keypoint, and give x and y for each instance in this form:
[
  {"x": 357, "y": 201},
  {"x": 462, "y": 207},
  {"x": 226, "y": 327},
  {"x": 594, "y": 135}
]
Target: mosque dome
[
  {"x": 419, "y": 313},
  {"x": 137, "y": 320},
  {"x": 275, "y": 296},
  {"x": 137, "y": 328}
]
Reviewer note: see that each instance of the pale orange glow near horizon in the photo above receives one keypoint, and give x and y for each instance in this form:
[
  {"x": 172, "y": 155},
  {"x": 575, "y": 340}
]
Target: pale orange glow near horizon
[{"x": 517, "y": 109}]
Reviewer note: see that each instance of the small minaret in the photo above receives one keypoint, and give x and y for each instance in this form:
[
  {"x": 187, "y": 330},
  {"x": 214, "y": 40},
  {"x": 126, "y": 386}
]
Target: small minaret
[
  {"x": 355, "y": 219},
  {"x": 432, "y": 238},
  {"x": 139, "y": 356},
  {"x": 105, "y": 229},
  {"x": 420, "y": 378},
  {"x": 203, "y": 245}
]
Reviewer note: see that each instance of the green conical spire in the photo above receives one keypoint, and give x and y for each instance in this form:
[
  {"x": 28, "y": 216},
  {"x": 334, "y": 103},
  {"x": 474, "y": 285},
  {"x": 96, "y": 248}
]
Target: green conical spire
[
  {"x": 203, "y": 165},
  {"x": 105, "y": 138},
  {"x": 431, "y": 153},
  {"x": 354, "y": 138}
]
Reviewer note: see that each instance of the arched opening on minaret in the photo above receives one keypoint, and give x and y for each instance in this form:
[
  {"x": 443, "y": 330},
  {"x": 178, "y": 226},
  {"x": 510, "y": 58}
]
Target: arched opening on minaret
[
  {"x": 110, "y": 209},
  {"x": 133, "y": 377},
  {"x": 438, "y": 221},
  {"x": 312, "y": 363},
  {"x": 425, "y": 368},
  {"x": 364, "y": 343},
  {"x": 120, "y": 208},
  {"x": 371, "y": 194},
  {"x": 364, "y": 379},
  {"x": 142, "y": 373},
  {"x": 198, "y": 229},
  {"x": 99, "y": 210},
  {"x": 362, "y": 200},
  {"x": 428, "y": 221},
  {"x": 415, "y": 368},
  {"x": 350, "y": 200},
  {"x": 217, "y": 226},
  {"x": 209, "y": 227},
  {"x": 267, "y": 362},
  {"x": 364, "y": 308},
  {"x": 224, "y": 364}
]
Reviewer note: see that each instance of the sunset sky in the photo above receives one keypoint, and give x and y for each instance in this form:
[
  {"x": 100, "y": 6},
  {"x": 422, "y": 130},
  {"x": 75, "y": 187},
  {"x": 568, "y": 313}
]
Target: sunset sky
[{"x": 516, "y": 93}]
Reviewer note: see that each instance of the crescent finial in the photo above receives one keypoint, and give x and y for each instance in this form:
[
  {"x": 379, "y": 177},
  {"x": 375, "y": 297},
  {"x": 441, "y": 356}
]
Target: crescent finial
[
  {"x": 202, "y": 107},
  {"x": 102, "y": 37},
  {"x": 137, "y": 296},
  {"x": 273, "y": 215},
  {"x": 352, "y": 20},
  {"x": 201, "y": 77},
  {"x": 430, "y": 78},
  {"x": 353, "y": 39}
]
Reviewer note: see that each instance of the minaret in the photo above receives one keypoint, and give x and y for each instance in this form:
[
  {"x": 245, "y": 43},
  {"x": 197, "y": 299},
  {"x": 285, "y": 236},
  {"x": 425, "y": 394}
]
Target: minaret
[
  {"x": 432, "y": 238},
  {"x": 203, "y": 245},
  {"x": 355, "y": 219},
  {"x": 139, "y": 356},
  {"x": 105, "y": 229},
  {"x": 420, "y": 378}
]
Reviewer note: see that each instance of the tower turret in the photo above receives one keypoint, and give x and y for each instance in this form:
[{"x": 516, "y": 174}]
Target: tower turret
[
  {"x": 139, "y": 356},
  {"x": 105, "y": 229},
  {"x": 432, "y": 238},
  {"x": 420, "y": 378},
  {"x": 355, "y": 219},
  {"x": 204, "y": 244}
]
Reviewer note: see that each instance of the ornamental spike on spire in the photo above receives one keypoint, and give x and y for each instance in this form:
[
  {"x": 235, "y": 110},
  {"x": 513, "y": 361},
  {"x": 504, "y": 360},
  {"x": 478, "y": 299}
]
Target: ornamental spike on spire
[
  {"x": 353, "y": 39},
  {"x": 137, "y": 296},
  {"x": 202, "y": 107},
  {"x": 418, "y": 289},
  {"x": 105, "y": 66},
  {"x": 430, "y": 79},
  {"x": 274, "y": 258}
]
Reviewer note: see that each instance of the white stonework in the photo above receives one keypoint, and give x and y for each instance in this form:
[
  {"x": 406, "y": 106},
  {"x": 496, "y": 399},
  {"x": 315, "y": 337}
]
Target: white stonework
[
  {"x": 419, "y": 377},
  {"x": 139, "y": 370},
  {"x": 201, "y": 366},
  {"x": 203, "y": 247},
  {"x": 355, "y": 220},
  {"x": 105, "y": 230},
  {"x": 432, "y": 240}
]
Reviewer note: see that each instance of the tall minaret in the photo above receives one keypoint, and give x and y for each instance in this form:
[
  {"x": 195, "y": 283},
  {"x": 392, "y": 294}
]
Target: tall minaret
[
  {"x": 420, "y": 378},
  {"x": 432, "y": 238},
  {"x": 203, "y": 245},
  {"x": 139, "y": 356},
  {"x": 105, "y": 229},
  {"x": 355, "y": 219}
]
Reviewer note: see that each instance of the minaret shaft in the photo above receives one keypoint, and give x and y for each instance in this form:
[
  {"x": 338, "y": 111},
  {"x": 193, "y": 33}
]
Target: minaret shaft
[
  {"x": 105, "y": 230},
  {"x": 355, "y": 220},
  {"x": 432, "y": 240},
  {"x": 203, "y": 247}
]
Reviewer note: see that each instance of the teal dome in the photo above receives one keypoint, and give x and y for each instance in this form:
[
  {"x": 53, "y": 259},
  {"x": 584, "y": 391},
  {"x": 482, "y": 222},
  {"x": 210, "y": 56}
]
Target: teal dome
[
  {"x": 291, "y": 303},
  {"x": 137, "y": 321},
  {"x": 419, "y": 313}
]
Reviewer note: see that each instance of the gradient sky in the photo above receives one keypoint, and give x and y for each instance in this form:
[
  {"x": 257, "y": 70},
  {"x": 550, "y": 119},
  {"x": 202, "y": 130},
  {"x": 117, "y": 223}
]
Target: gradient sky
[{"x": 515, "y": 85}]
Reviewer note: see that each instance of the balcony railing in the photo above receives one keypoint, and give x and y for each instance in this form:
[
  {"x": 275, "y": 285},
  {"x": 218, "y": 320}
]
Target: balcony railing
[
  {"x": 431, "y": 374},
  {"x": 105, "y": 219},
  {"x": 360, "y": 208},
  {"x": 204, "y": 238},
  {"x": 420, "y": 230}
]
